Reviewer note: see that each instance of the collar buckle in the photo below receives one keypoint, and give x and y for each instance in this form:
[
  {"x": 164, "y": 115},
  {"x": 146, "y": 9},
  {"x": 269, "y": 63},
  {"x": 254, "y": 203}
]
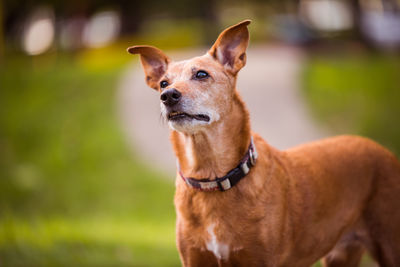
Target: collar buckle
[
  {"x": 225, "y": 185},
  {"x": 253, "y": 155}
]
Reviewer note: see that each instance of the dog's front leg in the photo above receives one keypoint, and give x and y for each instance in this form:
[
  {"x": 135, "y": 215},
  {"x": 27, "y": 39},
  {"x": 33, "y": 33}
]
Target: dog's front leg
[
  {"x": 191, "y": 255},
  {"x": 195, "y": 257}
]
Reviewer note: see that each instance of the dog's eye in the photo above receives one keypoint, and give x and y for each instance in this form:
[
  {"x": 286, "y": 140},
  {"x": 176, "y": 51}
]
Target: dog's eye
[
  {"x": 163, "y": 84},
  {"x": 201, "y": 74}
]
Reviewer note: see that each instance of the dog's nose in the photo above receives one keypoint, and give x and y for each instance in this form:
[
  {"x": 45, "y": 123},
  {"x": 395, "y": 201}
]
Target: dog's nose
[{"x": 170, "y": 97}]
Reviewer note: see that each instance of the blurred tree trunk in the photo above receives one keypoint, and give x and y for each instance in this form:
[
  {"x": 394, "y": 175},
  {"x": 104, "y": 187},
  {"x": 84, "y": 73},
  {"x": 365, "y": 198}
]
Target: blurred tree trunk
[
  {"x": 2, "y": 42},
  {"x": 357, "y": 21},
  {"x": 357, "y": 16},
  {"x": 208, "y": 14},
  {"x": 357, "y": 11},
  {"x": 131, "y": 16}
]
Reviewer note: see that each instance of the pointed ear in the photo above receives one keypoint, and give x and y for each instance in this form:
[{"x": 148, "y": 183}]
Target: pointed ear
[
  {"x": 230, "y": 47},
  {"x": 154, "y": 63}
]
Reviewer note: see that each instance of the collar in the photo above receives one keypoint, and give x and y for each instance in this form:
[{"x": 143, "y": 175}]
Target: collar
[{"x": 230, "y": 179}]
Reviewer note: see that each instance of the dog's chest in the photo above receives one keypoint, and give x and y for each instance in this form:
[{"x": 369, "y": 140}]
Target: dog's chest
[{"x": 205, "y": 225}]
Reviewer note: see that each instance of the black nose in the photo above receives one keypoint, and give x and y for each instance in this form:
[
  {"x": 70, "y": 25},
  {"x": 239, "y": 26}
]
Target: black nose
[{"x": 170, "y": 97}]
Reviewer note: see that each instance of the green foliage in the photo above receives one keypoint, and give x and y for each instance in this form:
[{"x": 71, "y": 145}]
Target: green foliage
[
  {"x": 357, "y": 94},
  {"x": 71, "y": 194}
]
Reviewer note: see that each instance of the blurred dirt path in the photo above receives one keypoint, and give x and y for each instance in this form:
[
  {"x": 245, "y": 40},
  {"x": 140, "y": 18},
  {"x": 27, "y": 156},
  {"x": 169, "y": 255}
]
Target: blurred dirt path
[{"x": 269, "y": 83}]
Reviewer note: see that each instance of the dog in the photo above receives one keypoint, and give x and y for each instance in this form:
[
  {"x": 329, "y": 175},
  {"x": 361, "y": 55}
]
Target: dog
[{"x": 241, "y": 202}]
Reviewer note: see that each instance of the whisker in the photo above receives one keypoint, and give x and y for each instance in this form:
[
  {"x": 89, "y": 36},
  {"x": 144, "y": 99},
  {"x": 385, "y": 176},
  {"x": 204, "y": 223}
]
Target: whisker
[{"x": 162, "y": 120}]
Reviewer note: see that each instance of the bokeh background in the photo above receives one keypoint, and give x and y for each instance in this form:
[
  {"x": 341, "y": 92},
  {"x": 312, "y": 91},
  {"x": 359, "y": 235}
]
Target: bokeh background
[{"x": 84, "y": 178}]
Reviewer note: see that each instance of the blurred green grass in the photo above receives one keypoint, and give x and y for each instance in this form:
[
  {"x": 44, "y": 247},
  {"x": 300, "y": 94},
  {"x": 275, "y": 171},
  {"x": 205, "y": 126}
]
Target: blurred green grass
[
  {"x": 356, "y": 93},
  {"x": 71, "y": 194}
]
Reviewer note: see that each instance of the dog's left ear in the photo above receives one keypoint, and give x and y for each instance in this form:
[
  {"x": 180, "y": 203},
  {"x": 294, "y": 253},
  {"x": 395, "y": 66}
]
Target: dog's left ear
[
  {"x": 154, "y": 62},
  {"x": 230, "y": 47}
]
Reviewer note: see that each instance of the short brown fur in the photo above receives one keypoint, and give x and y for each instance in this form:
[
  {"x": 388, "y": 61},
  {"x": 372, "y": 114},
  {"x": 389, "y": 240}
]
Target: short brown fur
[{"x": 334, "y": 198}]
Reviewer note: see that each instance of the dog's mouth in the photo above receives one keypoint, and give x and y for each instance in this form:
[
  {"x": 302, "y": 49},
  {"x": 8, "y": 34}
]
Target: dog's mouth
[{"x": 178, "y": 115}]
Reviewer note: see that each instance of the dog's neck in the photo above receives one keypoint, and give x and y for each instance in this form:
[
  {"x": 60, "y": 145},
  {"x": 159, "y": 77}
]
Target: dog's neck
[{"x": 217, "y": 149}]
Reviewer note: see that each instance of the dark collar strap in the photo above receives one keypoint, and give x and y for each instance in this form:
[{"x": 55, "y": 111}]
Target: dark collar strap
[{"x": 229, "y": 180}]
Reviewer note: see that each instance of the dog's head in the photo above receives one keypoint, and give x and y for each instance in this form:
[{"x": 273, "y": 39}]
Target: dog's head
[{"x": 198, "y": 92}]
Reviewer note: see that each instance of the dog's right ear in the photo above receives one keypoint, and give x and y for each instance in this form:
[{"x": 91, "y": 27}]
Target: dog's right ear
[
  {"x": 154, "y": 62},
  {"x": 230, "y": 47}
]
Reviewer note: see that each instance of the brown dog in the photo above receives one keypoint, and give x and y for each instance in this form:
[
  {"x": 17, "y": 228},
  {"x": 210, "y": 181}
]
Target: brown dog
[{"x": 333, "y": 198}]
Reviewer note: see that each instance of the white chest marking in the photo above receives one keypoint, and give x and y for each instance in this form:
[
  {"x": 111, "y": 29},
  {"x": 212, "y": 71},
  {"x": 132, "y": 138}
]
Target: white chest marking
[{"x": 220, "y": 250}]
